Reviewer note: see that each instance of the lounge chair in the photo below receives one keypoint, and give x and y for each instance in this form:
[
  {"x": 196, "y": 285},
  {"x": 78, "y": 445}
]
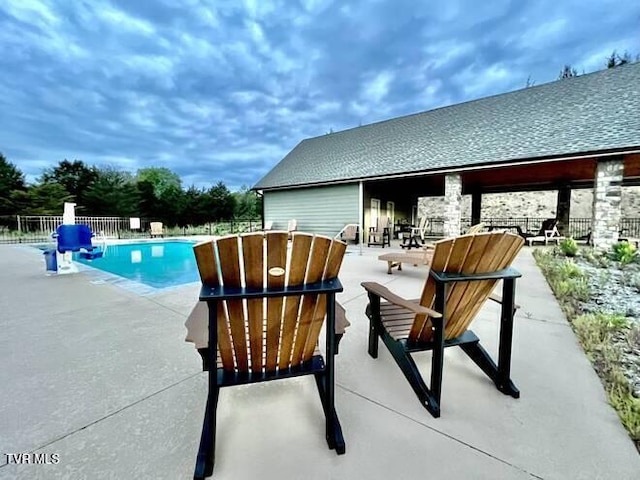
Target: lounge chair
[
  {"x": 464, "y": 272},
  {"x": 548, "y": 232},
  {"x": 301, "y": 283},
  {"x": 380, "y": 234},
  {"x": 156, "y": 229}
]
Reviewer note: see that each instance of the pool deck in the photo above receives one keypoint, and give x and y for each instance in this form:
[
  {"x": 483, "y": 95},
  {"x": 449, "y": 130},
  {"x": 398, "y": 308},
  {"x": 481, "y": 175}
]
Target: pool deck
[{"x": 101, "y": 376}]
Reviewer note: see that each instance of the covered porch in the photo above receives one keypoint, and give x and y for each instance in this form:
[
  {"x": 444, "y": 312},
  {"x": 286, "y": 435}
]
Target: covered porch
[{"x": 396, "y": 197}]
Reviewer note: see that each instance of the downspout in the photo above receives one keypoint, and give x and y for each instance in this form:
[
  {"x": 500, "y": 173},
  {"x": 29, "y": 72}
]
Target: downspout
[
  {"x": 361, "y": 214},
  {"x": 261, "y": 195}
]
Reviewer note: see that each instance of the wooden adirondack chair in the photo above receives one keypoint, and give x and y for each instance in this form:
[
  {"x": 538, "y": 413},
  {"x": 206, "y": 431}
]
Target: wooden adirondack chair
[
  {"x": 380, "y": 234},
  {"x": 277, "y": 338},
  {"x": 464, "y": 272},
  {"x": 157, "y": 229}
]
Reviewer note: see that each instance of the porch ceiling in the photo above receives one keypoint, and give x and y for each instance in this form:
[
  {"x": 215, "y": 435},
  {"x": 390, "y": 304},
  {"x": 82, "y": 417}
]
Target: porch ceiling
[{"x": 515, "y": 178}]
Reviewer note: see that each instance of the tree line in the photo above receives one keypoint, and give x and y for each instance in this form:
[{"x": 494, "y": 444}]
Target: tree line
[{"x": 154, "y": 193}]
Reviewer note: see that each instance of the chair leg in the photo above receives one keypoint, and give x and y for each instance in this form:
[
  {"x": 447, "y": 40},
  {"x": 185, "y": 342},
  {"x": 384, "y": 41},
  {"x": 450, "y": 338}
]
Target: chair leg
[
  {"x": 412, "y": 374},
  {"x": 373, "y": 340},
  {"x": 333, "y": 429},
  {"x": 206, "y": 452},
  {"x": 481, "y": 358},
  {"x": 373, "y": 312},
  {"x": 325, "y": 381},
  {"x": 336, "y": 338}
]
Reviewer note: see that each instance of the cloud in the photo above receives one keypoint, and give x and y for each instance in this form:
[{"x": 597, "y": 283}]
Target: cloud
[{"x": 221, "y": 91}]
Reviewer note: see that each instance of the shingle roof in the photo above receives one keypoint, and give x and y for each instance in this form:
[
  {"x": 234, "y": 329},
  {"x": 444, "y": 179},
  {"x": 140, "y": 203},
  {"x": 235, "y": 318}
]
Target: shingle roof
[{"x": 588, "y": 113}]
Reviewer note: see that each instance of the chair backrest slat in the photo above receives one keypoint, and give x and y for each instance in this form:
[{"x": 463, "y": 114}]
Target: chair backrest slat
[
  {"x": 208, "y": 269},
  {"x": 438, "y": 263},
  {"x": 474, "y": 247},
  {"x": 317, "y": 262},
  {"x": 334, "y": 261},
  {"x": 230, "y": 269},
  {"x": 276, "y": 271},
  {"x": 479, "y": 253},
  {"x": 253, "y": 257},
  {"x": 300, "y": 249}
]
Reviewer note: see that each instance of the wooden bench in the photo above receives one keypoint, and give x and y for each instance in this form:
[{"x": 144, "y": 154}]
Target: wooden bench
[{"x": 396, "y": 259}]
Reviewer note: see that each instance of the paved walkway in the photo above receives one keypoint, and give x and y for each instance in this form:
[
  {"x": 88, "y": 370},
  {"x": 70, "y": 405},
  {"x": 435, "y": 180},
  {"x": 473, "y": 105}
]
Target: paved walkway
[{"x": 101, "y": 377}]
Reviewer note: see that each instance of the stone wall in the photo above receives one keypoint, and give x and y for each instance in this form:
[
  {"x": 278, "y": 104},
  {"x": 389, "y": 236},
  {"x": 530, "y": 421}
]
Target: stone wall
[
  {"x": 607, "y": 202},
  {"x": 532, "y": 204},
  {"x": 452, "y": 202}
]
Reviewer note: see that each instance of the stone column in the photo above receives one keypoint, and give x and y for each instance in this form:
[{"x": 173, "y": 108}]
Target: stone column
[
  {"x": 607, "y": 208},
  {"x": 476, "y": 206},
  {"x": 563, "y": 209},
  {"x": 452, "y": 204}
]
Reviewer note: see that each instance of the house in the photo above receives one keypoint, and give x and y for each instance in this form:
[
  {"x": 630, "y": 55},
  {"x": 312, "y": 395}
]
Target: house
[{"x": 581, "y": 132}]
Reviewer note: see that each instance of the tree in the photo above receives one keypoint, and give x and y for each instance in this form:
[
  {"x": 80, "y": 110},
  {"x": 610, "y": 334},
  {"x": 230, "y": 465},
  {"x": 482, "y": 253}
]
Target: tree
[
  {"x": 11, "y": 180},
  {"x": 172, "y": 205},
  {"x": 147, "y": 200},
  {"x": 41, "y": 199},
  {"x": 568, "y": 72},
  {"x": 247, "y": 204},
  {"x": 113, "y": 193},
  {"x": 218, "y": 203},
  {"x": 76, "y": 177},
  {"x": 160, "y": 177},
  {"x": 194, "y": 208}
]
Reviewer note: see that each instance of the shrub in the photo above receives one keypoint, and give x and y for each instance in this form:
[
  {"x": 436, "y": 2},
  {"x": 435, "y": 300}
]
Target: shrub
[
  {"x": 624, "y": 252},
  {"x": 569, "y": 269},
  {"x": 569, "y": 247}
]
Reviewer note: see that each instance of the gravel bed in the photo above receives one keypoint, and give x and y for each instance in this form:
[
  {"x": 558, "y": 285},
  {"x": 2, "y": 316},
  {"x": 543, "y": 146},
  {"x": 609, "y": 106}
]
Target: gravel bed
[{"x": 616, "y": 289}]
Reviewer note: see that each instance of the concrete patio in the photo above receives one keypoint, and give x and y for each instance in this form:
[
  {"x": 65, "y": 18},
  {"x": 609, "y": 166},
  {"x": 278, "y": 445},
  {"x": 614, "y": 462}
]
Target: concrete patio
[{"x": 102, "y": 377}]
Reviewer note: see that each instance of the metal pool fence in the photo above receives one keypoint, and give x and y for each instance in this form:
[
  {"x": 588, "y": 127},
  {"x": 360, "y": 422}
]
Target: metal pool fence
[{"x": 38, "y": 228}]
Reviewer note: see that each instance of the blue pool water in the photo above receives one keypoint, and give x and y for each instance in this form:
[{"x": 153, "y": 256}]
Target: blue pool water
[{"x": 155, "y": 264}]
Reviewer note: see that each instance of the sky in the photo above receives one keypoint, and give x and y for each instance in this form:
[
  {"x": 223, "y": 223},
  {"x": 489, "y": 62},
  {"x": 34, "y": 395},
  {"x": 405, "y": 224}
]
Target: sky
[{"x": 222, "y": 90}]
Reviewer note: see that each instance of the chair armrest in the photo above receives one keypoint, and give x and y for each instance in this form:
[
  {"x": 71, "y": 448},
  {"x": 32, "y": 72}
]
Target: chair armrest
[
  {"x": 498, "y": 299},
  {"x": 384, "y": 292}
]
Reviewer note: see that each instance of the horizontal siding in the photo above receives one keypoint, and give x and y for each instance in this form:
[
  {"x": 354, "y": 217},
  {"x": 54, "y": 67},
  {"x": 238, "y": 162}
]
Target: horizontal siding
[{"x": 322, "y": 210}]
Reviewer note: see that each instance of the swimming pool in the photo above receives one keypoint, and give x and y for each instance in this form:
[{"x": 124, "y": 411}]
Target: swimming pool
[{"x": 155, "y": 264}]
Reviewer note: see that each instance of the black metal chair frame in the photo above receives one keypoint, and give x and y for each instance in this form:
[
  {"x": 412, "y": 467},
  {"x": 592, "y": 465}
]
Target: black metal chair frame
[
  {"x": 321, "y": 368},
  {"x": 401, "y": 350}
]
